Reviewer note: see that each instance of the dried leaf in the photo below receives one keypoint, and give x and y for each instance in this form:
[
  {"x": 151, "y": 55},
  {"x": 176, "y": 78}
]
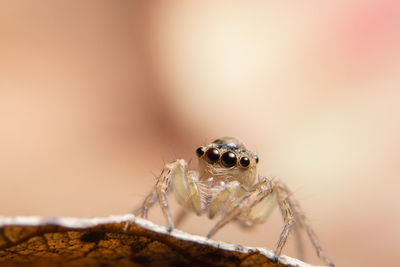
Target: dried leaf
[{"x": 124, "y": 240}]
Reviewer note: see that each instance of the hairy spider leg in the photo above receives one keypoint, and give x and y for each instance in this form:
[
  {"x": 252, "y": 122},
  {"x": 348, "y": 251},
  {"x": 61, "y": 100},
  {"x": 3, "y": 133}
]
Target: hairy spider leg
[
  {"x": 143, "y": 210},
  {"x": 249, "y": 200},
  {"x": 288, "y": 217},
  {"x": 186, "y": 188},
  {"x": 302, "y": 221}
]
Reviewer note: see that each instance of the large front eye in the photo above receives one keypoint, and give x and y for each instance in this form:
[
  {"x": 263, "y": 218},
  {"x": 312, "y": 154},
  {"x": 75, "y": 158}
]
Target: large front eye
[
  {"x": 244, "y": 162},
  {"x": 228, "y": 159},
  {"x": 212, "y": 155},
  {"x": 200, "y": 151}
]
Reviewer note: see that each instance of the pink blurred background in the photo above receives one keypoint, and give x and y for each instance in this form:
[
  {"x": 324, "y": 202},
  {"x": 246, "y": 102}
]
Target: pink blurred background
[{"x": 95, "y": 96}]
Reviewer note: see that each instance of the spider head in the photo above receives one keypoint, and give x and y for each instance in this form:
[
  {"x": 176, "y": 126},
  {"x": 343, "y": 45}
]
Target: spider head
[{"x": 227, "y": 158}]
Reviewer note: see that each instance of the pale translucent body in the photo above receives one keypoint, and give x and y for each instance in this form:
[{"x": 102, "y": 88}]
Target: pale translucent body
[{"x": 227, "y": 184}]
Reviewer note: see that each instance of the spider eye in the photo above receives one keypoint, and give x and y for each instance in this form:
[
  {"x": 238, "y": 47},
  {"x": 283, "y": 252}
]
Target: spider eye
[
  {"x": 212, "y": 155},
  {"x": 200, "y": 151},
  {"x": 244, "y": 162},
  {"x": 256, "y": 159},
  {"x": 228, "y": 159}
]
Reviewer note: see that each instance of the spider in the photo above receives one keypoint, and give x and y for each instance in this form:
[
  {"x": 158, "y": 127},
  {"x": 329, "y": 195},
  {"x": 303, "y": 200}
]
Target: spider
[{"x": 227, "y": 184}]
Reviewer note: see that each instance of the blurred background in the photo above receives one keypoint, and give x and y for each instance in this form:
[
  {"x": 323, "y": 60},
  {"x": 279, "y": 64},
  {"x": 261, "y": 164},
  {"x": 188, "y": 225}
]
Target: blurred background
[{"x": 96, "y": 96}]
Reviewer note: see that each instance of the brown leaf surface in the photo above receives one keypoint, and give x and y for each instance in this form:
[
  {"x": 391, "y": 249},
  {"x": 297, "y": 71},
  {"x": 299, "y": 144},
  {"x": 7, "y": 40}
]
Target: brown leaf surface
[{"x": 123, "y": 240}]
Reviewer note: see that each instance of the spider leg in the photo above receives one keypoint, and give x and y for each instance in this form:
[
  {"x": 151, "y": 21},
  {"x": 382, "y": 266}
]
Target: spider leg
[
  {"x": 259, "y": 212},
  {"x": 302, "y": 221},
  {"x": 288, "y": 217},
  {"x": 262, "y": 190},
  {"x": 232, "y": 214},
  {"x": 186, "y": 186},
  {"x": 148, "y": 202},
  {"x": 161, "y": 189}
]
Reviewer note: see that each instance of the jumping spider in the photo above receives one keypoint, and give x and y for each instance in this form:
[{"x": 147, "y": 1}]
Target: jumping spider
[{"x": 227, "y": 183}]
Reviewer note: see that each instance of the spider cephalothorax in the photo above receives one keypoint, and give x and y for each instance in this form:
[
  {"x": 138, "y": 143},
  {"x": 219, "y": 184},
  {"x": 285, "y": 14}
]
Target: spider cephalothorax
[
  {"x": 227, "y": 184},
  {"x": 227, "y": 159}
]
